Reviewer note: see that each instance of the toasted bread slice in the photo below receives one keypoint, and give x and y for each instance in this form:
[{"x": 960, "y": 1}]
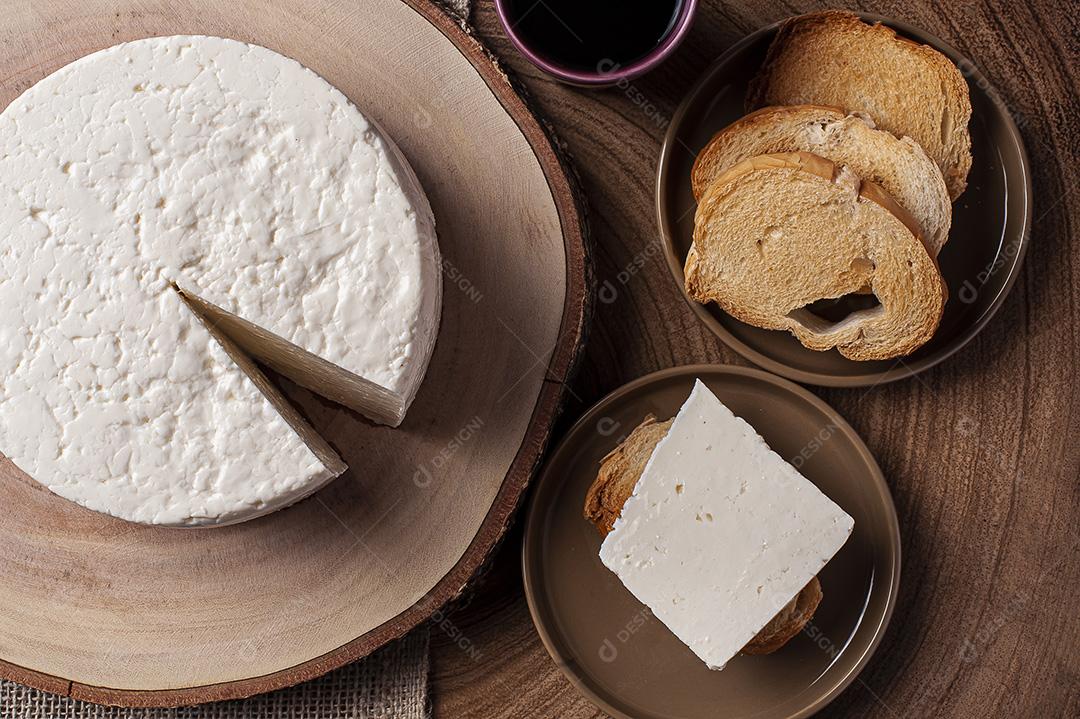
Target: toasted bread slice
[
  {"x": 912, "y": 90},
  {"x": 795, "y": 615},
  {"x": 619, "y": 473},
  {"x": 776, "y": 233},
  {"x": 899, "y": 165}
]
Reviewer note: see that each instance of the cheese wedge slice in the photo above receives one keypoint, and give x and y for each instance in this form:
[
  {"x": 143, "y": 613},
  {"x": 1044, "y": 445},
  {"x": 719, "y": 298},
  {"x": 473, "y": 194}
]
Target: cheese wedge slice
[
  {"x": 297, "y": 231},
  {"x": 299, "y": 365},
  {"x": 720, "y": 532}
]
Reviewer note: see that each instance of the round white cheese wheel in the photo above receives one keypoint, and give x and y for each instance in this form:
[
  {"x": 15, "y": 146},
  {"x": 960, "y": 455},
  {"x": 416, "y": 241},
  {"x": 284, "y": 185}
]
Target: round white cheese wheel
[{"x": 243, "y": 177}]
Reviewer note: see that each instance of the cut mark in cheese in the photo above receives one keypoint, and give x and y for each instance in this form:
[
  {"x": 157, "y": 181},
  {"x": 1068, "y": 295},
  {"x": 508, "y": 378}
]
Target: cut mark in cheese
[
  {"x": 720, "y": 532},
  {"x": 307, "y": 434},
  {"x": 299, "y": 365}
]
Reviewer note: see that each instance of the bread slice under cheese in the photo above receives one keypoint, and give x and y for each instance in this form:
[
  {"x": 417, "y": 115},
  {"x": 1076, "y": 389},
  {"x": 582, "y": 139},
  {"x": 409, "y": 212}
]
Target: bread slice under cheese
[
  {"x": 899, "y": 165},
  {"x": 619, "y": 473},
  {"x": 834, "y": 58},
  {"x": 776, "y": 233}
]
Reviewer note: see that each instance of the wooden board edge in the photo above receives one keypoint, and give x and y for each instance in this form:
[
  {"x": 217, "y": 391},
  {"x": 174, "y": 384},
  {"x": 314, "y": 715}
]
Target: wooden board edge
[
  {"x": 565, "y": 358},
  {"x": 563, "y": 182},
  {"x": 37, "y": 680}
]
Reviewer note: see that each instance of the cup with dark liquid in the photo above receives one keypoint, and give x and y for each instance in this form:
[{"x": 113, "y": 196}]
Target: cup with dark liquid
[{"x": 596, "y": 42}]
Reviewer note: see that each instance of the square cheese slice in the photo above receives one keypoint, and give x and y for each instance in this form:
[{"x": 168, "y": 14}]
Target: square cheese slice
[{"x": 720, "y": 532}]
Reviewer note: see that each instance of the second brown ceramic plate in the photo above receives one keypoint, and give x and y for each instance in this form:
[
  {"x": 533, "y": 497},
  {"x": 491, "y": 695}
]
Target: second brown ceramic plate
[
  {"x": 626, "y": 660},
  {"x": 980, "y": 263}
]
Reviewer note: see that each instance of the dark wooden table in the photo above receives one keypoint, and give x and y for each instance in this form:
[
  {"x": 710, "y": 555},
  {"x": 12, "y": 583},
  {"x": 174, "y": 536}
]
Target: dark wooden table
[{"x": 981, "y": 453}]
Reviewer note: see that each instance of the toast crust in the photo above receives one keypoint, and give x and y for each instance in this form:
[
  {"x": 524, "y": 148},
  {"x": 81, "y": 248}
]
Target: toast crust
[
  {"x": 899, "y": 166},
  {"x": 619, "y": 473},
  {"x": 820, "y": 58}
]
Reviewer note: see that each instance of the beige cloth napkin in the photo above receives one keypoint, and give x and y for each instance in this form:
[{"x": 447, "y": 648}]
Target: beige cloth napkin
[{"x": 390, "y": 684}]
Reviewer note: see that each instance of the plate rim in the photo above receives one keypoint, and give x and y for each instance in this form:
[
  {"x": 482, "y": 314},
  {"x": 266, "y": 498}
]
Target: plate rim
[
  {"x": 532, "y": 583},
  {"x": 900, "y": 369},
  {"x": 564, "y": 361}
]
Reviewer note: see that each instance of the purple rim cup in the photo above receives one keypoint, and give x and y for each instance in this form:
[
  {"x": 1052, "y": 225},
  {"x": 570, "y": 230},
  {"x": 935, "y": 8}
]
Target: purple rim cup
[{"x": 617, "y": 73}]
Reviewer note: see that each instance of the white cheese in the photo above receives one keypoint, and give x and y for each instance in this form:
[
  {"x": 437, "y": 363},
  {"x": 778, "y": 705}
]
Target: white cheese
[
  {"x": 246, "y": 179},
  {"x": 720, "y": 532}
]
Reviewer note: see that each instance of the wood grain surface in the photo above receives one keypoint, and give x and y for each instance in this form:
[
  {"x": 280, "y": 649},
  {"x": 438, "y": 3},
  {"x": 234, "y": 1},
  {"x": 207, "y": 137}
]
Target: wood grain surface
[
  {"x": 981, "y": 452},
  {"x": 115, "y": 612}
]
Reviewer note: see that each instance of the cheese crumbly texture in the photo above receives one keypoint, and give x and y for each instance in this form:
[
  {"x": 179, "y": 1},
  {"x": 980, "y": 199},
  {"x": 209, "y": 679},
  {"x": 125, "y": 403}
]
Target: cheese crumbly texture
[
  {"x": 720, "y": 532},
  {"x": 235, "y": 172}
]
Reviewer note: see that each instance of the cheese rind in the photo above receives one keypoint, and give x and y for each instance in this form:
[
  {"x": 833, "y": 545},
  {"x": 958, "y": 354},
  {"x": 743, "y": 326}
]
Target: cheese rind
[
  {"x": 720, "y": 532},
  {"x": 229, "y": 170}
]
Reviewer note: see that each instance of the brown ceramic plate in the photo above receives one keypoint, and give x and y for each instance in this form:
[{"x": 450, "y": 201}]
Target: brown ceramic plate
[
  {"x": 623, "y": 658},
  {"x": 980, "y": 263}
]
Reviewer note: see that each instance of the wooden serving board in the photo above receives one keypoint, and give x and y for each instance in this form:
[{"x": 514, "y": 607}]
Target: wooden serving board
[{"x": 113, "y": 612}]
